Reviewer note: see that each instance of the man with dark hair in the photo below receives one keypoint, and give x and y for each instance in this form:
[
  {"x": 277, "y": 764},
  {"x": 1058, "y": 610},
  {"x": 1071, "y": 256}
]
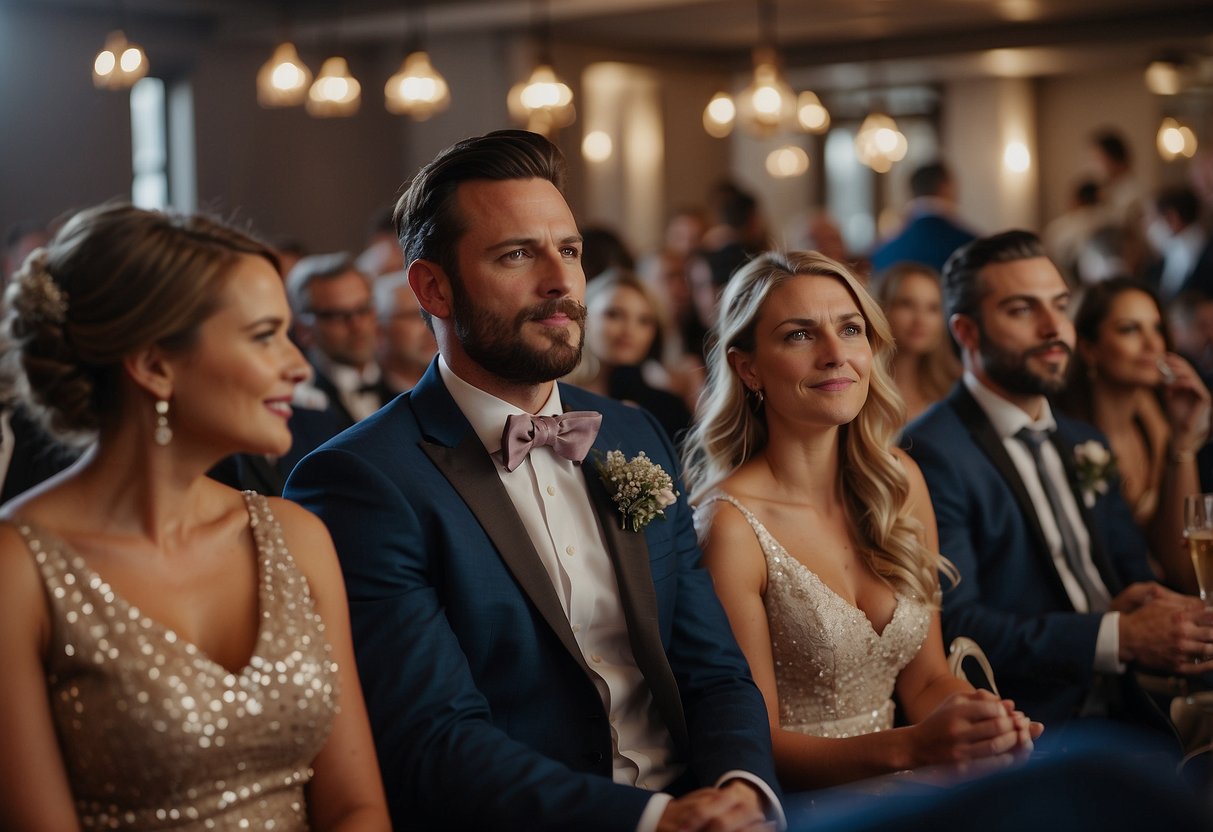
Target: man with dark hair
[
  {"x": 931, "y": 232},
  {"x": 1055, "y": 584},
  {"x": 1123, "y": 197},
  {"x": 1187, "y": 252},
  {"x": 534, "y": 653}
]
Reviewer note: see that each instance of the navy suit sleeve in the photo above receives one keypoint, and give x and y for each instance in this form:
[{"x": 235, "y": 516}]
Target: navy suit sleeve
[
  {"x": 725, "y": 712},
  {"x": 1001, "y": 599},
  {"x": 444, "y": 762}
]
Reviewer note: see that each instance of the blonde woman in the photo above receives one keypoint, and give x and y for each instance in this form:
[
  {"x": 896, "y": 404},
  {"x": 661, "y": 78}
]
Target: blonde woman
[
  {"x": 176, "y": 654},
  {"x": 820, "y": 536},
  {"x": 924, "y": 367}
]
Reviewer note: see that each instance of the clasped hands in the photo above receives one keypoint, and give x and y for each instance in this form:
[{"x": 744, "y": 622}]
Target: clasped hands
[
  {"x": 974, "y": 730},
  {"x": 735, "y": 806}
]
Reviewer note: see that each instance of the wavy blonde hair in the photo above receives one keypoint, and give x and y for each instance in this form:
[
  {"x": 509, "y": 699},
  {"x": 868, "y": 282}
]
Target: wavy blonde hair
[{"x": 730, "y": 429}]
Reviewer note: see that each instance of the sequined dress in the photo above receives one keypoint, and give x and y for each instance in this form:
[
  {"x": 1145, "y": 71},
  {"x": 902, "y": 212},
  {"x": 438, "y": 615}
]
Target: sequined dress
[
  {"x": 154, "y": 734},
  {"x": 834, "y": 674}
]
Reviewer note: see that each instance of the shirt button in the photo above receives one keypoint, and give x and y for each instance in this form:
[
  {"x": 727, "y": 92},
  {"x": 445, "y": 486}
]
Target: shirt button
[
  {"x": 571, "y": 550},
  {"x": 551, "y": 491},
  {"x": 595, "y": 658},
  {"x": 576, "y": 628}
]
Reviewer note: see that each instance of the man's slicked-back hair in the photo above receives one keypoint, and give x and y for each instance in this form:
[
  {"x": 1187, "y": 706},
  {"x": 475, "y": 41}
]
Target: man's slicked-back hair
[
  {"x": 427, "y": 222},
  {"x": 963, "y": 288}
]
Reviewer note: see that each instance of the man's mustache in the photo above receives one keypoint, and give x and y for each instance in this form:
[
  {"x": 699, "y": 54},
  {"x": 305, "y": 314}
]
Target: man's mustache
[
  {"x": 568, "y": 307},
  {"x": 1049, "y": 345}
]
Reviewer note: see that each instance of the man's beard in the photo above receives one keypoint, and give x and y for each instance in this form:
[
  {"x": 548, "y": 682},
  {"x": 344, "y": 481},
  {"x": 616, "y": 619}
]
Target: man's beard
[
  {"x": 1010, "y": 371},
  {"x": 497, "y": 345}
]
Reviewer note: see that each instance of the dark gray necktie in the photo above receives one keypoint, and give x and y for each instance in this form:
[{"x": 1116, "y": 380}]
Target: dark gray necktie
[{"x": 1096, "y": 598}]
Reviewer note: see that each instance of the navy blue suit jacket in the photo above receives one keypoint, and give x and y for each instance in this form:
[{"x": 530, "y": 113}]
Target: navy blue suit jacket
[
  {"x": 481, "y": 703},
  {"x": 1010, "y": 598},
  {"x": 928, "y": 238}
]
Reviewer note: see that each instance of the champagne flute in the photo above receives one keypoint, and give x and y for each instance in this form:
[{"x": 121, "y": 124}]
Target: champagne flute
[{"x": 1198, "y": 529}]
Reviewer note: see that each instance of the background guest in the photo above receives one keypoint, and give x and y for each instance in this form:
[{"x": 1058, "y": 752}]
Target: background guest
[
  {"x": 1066, "y": 235},
  {"x": 139, "y": 599},
  {"x": 624, "y": 331},
  {"x": 1186, "y": 250},
  {"x": 1149, "y": 403},
  {"x": 604, "y": 249},
  {"x": 924, "y": 366},
  {"x": 335, "y": 323},
  {"x": 821, "y": 542},
  {"x": 406, "y": 344},
  {"x": 932, "y": 231}
]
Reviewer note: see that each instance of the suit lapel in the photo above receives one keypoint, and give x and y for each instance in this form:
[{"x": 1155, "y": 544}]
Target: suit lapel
[
  {"x": 629, "y": 554},
  {"x": 988, "y": 440},
  {"x": 455, "y": 450},
  {"x": 1098, "y": 557},
  {"x": 470, "y": 471}
]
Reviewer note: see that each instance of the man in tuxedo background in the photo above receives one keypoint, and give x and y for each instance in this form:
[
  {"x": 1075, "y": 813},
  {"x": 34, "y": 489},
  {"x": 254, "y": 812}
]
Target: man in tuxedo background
[
  {"x": 528, "y": 662},
  {"x": 336, "y": 325},
  {"x": 1055, "y": 584}
]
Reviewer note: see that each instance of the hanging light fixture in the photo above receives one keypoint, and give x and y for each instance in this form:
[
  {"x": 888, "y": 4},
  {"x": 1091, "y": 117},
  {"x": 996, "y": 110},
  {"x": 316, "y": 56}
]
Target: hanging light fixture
[
  {"x": 1175, "y": 139},
  {"x": 719, "y": 115},
  {"x": 543, "y": 102},
  {"x": 119, "y": 64},
  {"x": 811, "y": 113},
  {"x": 768, "y": 104},
  {"x": 283, "y": 80},
  {"x": 417, "y": 90},
  {"x": 335, "y": 93},
  {"x": 879, "y": 143}
]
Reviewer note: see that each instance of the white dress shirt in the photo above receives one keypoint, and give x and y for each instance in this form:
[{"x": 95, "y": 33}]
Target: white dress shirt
[
  {"x": 551, "y": 497},
  {"x": 1007, "y": 420}
]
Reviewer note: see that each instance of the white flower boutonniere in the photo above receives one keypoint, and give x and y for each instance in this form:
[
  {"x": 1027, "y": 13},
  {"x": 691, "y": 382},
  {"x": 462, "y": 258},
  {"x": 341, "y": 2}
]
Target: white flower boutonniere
[
  {"x": 640, "y": 488},
  {"x": 1096, "y": 467}
]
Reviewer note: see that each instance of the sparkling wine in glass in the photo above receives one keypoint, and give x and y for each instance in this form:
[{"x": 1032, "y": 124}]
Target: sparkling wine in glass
[{"x": 1198, "y": 529}]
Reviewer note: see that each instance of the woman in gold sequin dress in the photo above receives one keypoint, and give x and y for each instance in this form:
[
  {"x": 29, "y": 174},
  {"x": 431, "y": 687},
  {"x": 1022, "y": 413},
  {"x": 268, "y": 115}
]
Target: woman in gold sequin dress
[
  {"x": 174, "y": 651},
  {"x": 820, "y": 535}
]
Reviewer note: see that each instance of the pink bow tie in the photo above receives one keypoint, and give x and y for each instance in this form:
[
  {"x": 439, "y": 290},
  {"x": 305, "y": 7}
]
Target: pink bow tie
[{"x": 569, "y": 435}]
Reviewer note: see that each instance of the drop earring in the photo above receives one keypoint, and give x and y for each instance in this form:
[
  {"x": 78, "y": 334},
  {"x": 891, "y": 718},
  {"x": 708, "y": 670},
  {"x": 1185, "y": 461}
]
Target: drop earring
[{"x": 163, "y": 433}]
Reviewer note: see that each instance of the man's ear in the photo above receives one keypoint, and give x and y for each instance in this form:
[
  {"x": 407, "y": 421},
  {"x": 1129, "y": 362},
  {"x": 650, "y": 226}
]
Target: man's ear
[
  {"x": 432, "y": 287},
  {"x": 150, "y": 370},
  {"x": 744, "y": 367},
  {"x": 966, "y": 332}
]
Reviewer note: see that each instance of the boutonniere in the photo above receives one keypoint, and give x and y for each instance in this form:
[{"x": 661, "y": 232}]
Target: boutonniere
[
  {"x": 641, "y": 488},
  {"x": 1096, "y": 467}
]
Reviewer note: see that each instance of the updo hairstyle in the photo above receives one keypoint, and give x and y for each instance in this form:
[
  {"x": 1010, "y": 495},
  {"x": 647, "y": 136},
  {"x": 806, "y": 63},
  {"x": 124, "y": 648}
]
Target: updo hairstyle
[{"x": 115, "y": 279}]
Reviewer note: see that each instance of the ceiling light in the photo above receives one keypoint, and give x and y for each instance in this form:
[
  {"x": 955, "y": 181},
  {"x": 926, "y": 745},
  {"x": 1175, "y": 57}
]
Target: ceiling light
[
  {"x": 119, "y": 64},
  {"x": 283, "y": 80},
  {"x": 417, "y": 90},
  {"x": 811, "y": 113},
  {"x": 1175, "y": 139},
  {"x": 767, "y": 105},
  {"x": 879, "y": 143},
  {"x": 1164, "y": 78},
  {"x": 786, "y": 162},
  {"x": 719, "y": 115},
  {"x": 335, "y": 93},
  {"x": 543, "y": 102}
]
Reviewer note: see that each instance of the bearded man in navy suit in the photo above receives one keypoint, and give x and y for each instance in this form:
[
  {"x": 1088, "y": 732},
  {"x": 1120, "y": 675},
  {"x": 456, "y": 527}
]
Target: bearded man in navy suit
[
  {"x": 1055, "y": 583},
  {"x": 530, "y": 661}
]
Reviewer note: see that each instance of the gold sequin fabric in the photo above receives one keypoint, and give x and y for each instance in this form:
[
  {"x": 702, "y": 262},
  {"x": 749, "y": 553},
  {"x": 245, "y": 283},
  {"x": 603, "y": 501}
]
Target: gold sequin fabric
[
  {"x": 156, "y": 735},
  {"x": 834, "y": 674}
]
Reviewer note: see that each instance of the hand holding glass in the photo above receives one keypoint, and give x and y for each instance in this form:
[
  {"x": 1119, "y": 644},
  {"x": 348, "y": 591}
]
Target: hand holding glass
[{"x": 1198, "y": 529}]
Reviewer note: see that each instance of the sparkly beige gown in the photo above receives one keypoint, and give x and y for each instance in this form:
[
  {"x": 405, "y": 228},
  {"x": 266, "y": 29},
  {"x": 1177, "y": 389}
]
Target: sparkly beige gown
[
  {"x": 154, "y": 734},
  {"x": 834, "y": 674}
]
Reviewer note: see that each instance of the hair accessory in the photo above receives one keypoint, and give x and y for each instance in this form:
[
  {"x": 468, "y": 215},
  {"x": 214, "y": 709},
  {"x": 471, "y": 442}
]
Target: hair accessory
[
  {"x": 163, "y": 433},
  {"x": 47, "y": 302}
]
